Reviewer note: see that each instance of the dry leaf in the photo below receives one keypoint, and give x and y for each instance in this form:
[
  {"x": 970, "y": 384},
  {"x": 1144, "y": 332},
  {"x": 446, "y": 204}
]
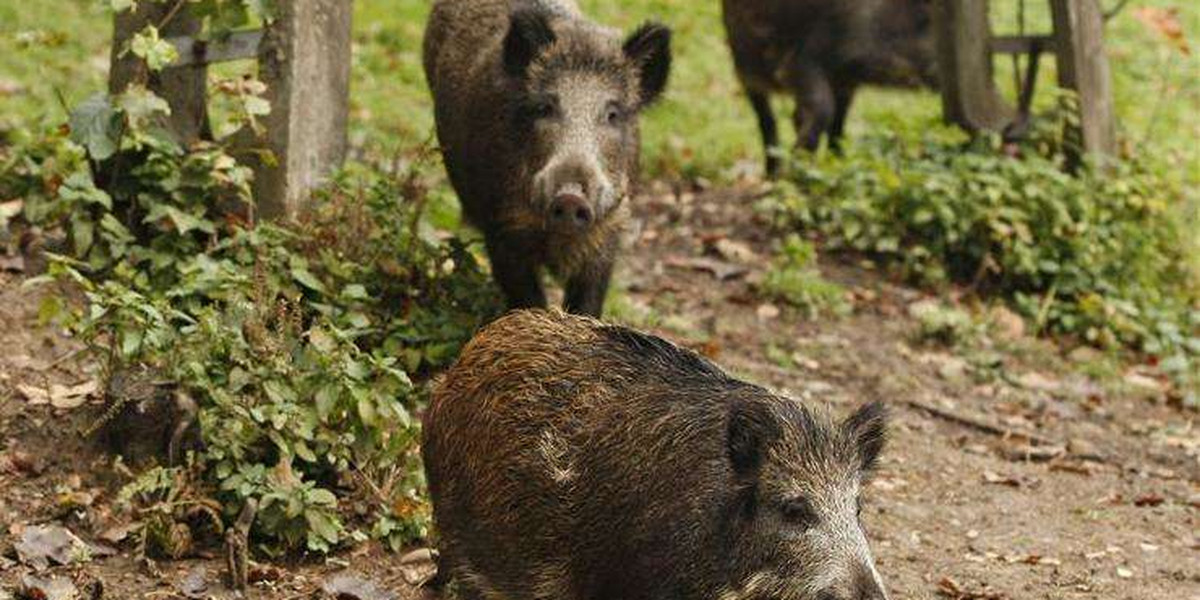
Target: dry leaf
[
  {"x": 1149, "y": 500},
  {"x": 59, "y": 396},
  {"x": 350, "y": 587},
  {"x": 42, "y": 545},
  {"x": 766, "y": 312},
  {"x": 997, "y": 479},
  {"x": 1165, "y": 21},
  {"x": 419, "y": 566},
  {"x": 54, "y": 588}
]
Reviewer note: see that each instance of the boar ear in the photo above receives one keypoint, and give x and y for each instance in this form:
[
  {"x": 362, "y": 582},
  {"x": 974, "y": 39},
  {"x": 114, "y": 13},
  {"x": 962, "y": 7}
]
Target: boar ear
[
  {"x": 528, "y": 32},
  {"x": 752, "y": 428},
  {"x": 867, "y": 430},
  {"x": 650, "y": 49}
]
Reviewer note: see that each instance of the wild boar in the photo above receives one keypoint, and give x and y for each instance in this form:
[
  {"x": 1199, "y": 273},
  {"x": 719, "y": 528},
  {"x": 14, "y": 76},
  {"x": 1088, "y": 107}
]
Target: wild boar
[
  {"x": 821, "y": 51},
  {"x": 574, "y": 460},
  {"x": 537, "y": 112}
]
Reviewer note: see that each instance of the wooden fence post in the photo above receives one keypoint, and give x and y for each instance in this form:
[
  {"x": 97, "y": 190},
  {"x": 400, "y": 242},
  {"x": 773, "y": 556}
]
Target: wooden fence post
[
  {"x": 969, "y": 95},
  {"x": 305, "y": 61},
  {"x": 184, "y": 88},
  {"x": 1083, "y": 67}
]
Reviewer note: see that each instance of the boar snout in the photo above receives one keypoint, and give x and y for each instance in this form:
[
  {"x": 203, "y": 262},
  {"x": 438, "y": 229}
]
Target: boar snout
[
  {"x": 569, "y": 210},
  {"x": 865, "y": 585},
  {"x": 576, "y": 195}
]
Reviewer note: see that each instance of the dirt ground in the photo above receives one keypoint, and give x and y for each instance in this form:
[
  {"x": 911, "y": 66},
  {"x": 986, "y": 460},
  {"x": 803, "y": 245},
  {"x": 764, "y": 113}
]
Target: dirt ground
[{"x": 1021, "y": 480}]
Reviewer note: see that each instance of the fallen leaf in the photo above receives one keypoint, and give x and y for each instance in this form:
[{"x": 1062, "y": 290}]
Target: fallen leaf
[
  {"x": 734, "y": 250},
  {"x": 12, "y": 264},
  {"x": 419, "y": 566},
  {"x": 952, "y": 589},
  {"x": 997, "y": 479},
  {"x": 119, "y": 533},
  {"x": 59, "y": 396},
  {"x": 350, "y": 587},
  {"x": 72, "y": 397},
  {"x": 9, "y": 87},
  {"x": 54, "y": 588},
  {"x": 1026, "y": 452},
  {"x": 1165, "y": 21},
  {"x": 195, "y": 584},
  {"x": 1149, "y": 500},
  {"x": 767, "y": 312},
  {"x": 721, "y": 270},
  {"x": 42, "y": 544}
]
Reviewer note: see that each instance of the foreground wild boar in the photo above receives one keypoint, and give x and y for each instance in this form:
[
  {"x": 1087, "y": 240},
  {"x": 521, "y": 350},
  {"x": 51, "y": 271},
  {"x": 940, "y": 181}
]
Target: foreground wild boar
[
  {"x": 573, "y": 460},
  {"x": 821, "y": 51},
  {"x": 537, "y": 114}
]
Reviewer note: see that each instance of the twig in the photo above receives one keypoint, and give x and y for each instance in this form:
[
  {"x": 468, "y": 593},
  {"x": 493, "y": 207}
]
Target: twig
[
  {"x": 65, "y": 357},
  {"x": 1116, "y": 10},
  {"x": 980, "y": 424}
]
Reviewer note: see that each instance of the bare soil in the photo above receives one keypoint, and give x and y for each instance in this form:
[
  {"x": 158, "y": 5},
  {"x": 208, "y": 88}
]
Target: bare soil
[{"x": 1022, "y": 479}]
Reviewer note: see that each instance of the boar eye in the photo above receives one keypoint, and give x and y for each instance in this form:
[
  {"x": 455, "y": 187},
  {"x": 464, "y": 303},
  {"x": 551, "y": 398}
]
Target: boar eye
[
  {"x": 613, "y": 114},
  {"x": 540, "y": 108},
  {"x": 799, "y": 511}
]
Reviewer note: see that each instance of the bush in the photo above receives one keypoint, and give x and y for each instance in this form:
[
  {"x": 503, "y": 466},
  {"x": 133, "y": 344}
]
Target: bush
[
  {"x": 299, "y": 343},
  {"x": 1102, "y": 254},
  {"x": 794, "y": 279}
]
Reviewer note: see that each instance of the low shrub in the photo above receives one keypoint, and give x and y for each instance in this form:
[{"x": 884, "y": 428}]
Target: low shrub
[
  {"x": 1102, "y": 254},
  {"x": 300, "y": 343}
]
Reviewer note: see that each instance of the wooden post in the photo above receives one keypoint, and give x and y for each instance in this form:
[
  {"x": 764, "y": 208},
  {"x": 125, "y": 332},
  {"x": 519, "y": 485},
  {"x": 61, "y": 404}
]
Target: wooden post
[
  {"x": 1083, "y": 67},
  {"x": 305, "y": 61},
  {"x": 969, "y": 95},
  {"x": 185, "y": 88}
]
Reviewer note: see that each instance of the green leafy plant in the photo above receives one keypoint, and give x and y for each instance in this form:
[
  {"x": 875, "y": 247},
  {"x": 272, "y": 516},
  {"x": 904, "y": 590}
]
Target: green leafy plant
[
  {"x": 1101, "y": 255},
  {"x": 303, "y": 344},
  {"x": 794, "y": 279}
]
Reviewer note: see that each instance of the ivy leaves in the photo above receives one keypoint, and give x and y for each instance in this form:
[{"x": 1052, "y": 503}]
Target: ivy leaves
[
  {"x": 157, "y": 52},
  {"x": 96, "y": 125}
]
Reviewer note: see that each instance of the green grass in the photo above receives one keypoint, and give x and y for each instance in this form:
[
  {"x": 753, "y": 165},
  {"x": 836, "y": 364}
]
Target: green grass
[{"x": 47, "y": 49}]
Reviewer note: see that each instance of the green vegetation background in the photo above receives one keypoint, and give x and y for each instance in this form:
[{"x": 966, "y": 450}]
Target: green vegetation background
[{"x": 702, "y": 128}]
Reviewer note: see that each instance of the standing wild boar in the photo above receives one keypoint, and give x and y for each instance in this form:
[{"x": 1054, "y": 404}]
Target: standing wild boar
[
  {"x": 821, "y": 51},
  {"x": 573, "y": 460},
  {"x": 537, "y": 114}
]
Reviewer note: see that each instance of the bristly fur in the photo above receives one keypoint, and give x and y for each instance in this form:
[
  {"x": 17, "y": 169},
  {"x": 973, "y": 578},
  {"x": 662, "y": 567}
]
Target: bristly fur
[
  {"x": 494, "y": 67},
  {"x": 600, "y": 462},
  {"x": 820, "y": 52}
]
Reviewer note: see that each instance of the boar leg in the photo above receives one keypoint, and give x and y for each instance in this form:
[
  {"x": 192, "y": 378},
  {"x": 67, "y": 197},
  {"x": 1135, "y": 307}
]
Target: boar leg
[
  {"x": 843, "y": 96},
  {"x": 515, "y": 273},
  {"x": 586, "y": 290},
  {"x": 815, "y": 105},
  {"x": 766, "y": 125}
]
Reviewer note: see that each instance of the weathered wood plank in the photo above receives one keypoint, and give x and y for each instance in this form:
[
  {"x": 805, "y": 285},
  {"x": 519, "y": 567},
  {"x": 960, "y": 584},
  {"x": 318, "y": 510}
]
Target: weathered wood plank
[
  {"x": 240, "y": 45},
  {"x": 1016, "y": 44},
  {"x": 969, "y": 95},
  {"x": 1083, "y": 67},
  {"x": 305, "y": 62}
]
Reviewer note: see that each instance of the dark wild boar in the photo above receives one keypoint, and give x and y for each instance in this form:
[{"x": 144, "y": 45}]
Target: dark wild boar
[
  {"x": 574, "y": 460},
  {"x": 537, "y": 115},
  {"x": 820, "y": 51}
]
